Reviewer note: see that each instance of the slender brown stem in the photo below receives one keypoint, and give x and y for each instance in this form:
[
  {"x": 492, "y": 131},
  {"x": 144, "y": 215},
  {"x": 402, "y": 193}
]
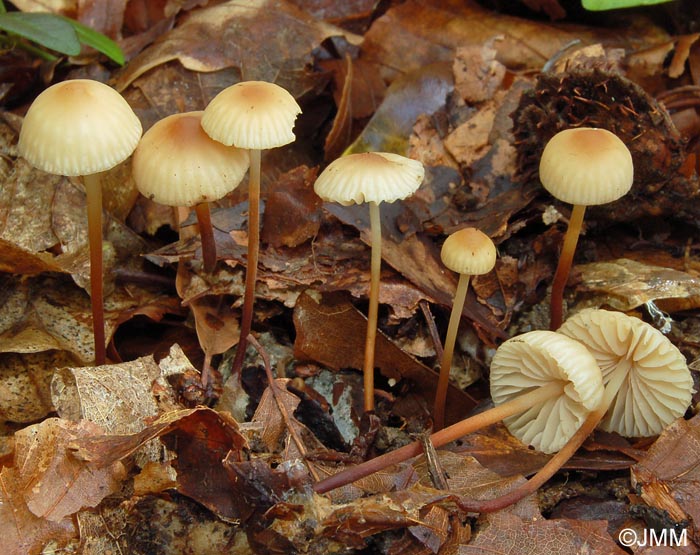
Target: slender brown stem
[
  {"x": 252, "y": 266},
  {"x": 371, "y": 337},
  {"x": 564, "y": 267},
  {"x": 206, "y": 233},
  {"x": 444, "y": 436},
  {"x": 93, "y": 188},
  {"x": 450, "y": 339}
]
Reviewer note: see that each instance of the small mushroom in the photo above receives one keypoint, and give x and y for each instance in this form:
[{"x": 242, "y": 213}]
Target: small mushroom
[
  {"x": 550, "y": 381},
  {"x": 254, "y": 115},
  {"x": 82, "y": 128},
  {"x": 648, "y": 375},
  {"x": 178, "y": 164},
  {"x": 372, "y": 177},
  {"x": 583, "y": 166},
  {"x": 468, "y": 252}
]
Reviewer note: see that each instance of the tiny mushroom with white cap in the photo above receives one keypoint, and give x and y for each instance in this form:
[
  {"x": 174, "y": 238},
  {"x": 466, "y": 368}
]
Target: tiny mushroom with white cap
[
  {"x": 82, "y": 127},
  {"x": 547, "y": 388},
  {"x": 582, "y": 166},
  {"x": 254, "y": 115},
  {"x": 646, "y": 377},
  {"x": 178, "y": 164},
  {"x": 468, "y": 252},
  {"x": 371, "y": 177}
]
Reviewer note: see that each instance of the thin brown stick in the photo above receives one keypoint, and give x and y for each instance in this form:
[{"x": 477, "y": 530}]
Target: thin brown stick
[
  {"x": 280, "y": 404},
  {"x": 566, "y": 258},
  {"x": 206, "y": 234}
]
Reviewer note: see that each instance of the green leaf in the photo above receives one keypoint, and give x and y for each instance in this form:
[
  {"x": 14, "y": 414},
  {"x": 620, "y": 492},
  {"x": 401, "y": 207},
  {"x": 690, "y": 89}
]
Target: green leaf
[
  {"x": 42, "y": 28},
  {"x": 98, "y": 41},
  {"x": 600, "y": 5}
]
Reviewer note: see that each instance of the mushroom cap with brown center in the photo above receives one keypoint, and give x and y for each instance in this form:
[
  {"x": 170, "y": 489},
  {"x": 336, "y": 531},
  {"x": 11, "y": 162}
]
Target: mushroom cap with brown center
[
  {"x": 538, "y": 358},
  {"x": 586, "y": 166},
  {"x": 178, "y": 164},
  {"x": 253, "y": 115},
  {"x": 469, "y": 251},
  {"x": 369, "y": 177},
  {"x": 657, "y": 387},
  {"x": 78, "y": 127}
]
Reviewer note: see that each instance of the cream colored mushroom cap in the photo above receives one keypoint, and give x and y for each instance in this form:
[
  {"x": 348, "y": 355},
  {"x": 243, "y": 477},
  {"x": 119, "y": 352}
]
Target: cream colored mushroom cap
[
  {"x": 178, "y": 164},
  {"x": 78, "y": 127},
  {"x": 537, "y": 358},
  {"x": 369, "y": 177},
  {"x": 252, "y": 114},
  {"x": 658, "y": 386},
  {"x": 586, "y": 166},
  {"x": 469, "y": 251}
]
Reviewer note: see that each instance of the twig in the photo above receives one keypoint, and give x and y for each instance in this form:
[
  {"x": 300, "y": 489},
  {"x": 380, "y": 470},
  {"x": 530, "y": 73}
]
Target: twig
[{"x": 280, "y": 404}]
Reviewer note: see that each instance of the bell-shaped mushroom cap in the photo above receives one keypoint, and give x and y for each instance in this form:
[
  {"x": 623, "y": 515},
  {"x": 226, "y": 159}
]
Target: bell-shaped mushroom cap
[
  {"x": 469, "y": 251},
  {"x": 252, "y": 114},
  {"x": 586, "y": 166},
  {"x": 658, "y": 386},
  {"x": 78, "y": 127},
  {"x": 178, "y": 164},
  {"x": 537, "y": 358},
  {"x": 369, "y": 177}
]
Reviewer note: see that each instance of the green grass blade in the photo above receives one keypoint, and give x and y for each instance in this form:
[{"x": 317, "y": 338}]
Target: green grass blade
[
  {"x": 97, "y": 40},
  {"x": 601, "y": 5},
  {"x": 44, "y": 29}
]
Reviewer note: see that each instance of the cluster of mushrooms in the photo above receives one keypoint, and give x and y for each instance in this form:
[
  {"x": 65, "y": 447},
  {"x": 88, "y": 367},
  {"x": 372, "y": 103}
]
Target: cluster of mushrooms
[{"x": 551, "y": 388}]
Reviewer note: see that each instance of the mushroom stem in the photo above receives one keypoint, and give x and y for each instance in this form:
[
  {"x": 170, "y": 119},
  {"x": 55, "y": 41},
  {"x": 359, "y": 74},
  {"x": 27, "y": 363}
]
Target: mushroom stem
[
  {"x": 252, "y": 266},
  {"x": 564, "y": 267},
  {"x": 565, "y": 453},
  {"x": 93, "y": 189},
  {"x": 450, "y": 339},
  {"x": 206, "y": 233},
  {"x": 444, "y": 436},
  {"x": 371, "y": 337}
]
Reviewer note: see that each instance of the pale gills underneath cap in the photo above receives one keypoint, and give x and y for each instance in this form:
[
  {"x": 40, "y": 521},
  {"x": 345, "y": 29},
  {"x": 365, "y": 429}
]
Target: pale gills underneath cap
[
  {"x": 78, "y": 127},
  {"x": 252, "y": 114},
  {"x": 369, "y": 177}
]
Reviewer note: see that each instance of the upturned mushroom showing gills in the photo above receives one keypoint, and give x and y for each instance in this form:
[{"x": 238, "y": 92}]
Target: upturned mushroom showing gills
[
  {"x": 545, "y": 387},
  {"x": 254, "y": 115},
  {"x": 584, "y": 167},
  {"x": 82, "y": 128},
  {"x": 178, "y": 164},
  {"x": 372, "y": 177},
  {"x": 467, "y": 252},
  {"x": 655, "y": 386}
]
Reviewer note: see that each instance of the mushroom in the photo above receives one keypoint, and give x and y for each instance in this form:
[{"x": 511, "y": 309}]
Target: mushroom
[
  {"x": 178, "y": 164},
  {"x": 467, "y": 252},
  {"x": 655, "y": 386},
  {"x": 551, "y": 381},
  {"x": 254, "y": 115},
  {"x": 81, "y": 128},
  {"x": 372, "y": 177},
  {"x": 584, "y": 167}
]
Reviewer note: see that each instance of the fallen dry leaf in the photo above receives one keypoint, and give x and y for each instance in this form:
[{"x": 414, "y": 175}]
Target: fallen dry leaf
[{"x": 54, "y": 483}]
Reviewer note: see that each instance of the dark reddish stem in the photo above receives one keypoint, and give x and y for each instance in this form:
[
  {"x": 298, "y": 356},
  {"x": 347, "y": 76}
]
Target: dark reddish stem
[
  {"x": 252, "y": 266},
  {"x": 93, "y": 189},
  {"x": 566, "y": 258},
  {"x": 206, "y": 233}
]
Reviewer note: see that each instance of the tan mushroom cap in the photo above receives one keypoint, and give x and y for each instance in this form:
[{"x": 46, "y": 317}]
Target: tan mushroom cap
[
  {"x": 658, "y": 386},
  {"x": 537, "y": 358},
  {"x": 469, "y": 251},
  {"x": 369, "y": 177},
  {"x": 586, "y": 166},
  {"x": 252, "y": 114},
  {"x": 178, "y": 164},
  {"x": 78, "y": 127}
]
